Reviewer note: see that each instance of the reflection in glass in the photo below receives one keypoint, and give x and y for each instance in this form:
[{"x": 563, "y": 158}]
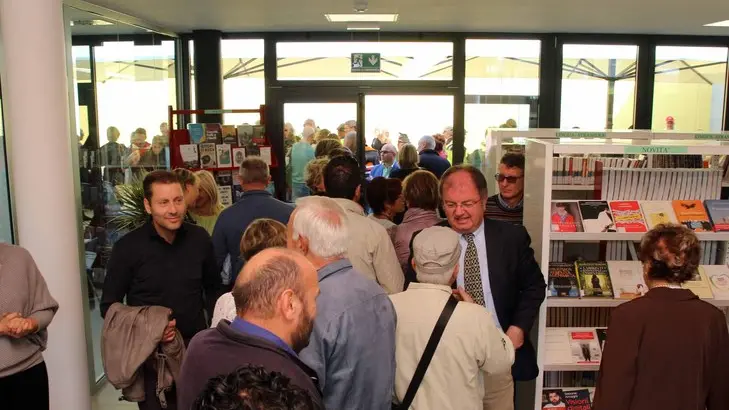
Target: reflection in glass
[
  {"x": 689, "y": 88},
  {"x": 332, "y": 60},
  {"x": 598, "y": 86}
]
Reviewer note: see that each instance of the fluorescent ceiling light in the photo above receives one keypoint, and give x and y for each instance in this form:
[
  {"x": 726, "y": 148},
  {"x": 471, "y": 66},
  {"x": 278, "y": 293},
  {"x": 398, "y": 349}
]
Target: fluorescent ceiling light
[
  {"x": 361, "y": 18},
  {"x": 724, "y": 23},
  {"x": 363, "y": 27}
]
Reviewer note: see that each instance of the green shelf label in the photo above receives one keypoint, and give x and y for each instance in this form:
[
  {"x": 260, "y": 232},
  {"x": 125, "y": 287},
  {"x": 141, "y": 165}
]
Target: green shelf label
[
  {"x": 580, "y": 134},
  {"x": 711, "y": 136},
  {"x": 655, "y": 149}
]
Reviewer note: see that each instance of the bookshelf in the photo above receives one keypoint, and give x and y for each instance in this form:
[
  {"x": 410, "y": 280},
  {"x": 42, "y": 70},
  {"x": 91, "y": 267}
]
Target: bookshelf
[{"x": 541, "y": 146}]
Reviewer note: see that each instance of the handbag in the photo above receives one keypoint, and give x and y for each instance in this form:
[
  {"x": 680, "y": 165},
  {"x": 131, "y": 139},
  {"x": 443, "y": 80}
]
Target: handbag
[{"x": 427, "y": 356}]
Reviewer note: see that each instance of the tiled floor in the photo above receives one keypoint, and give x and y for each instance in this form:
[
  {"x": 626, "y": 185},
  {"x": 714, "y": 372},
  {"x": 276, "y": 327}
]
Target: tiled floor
[{"x": 108, "y": 399}]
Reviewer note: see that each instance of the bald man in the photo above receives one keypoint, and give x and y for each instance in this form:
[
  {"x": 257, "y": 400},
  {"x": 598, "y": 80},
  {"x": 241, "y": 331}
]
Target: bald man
[{"x": 275, "y": 298}]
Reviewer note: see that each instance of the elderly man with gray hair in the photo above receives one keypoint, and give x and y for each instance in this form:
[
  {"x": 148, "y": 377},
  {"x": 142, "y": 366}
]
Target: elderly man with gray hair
[
  {"x": 352, "y": 347},
  {"x": 471, "y": 350},
  {"x": 255, "y": 203},
  {"x": 429, "y": 158}
]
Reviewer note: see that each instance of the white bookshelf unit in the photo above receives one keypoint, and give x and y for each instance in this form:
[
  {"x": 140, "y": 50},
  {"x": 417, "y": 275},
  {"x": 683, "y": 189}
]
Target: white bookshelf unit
[{"x": 539, "y": 191}]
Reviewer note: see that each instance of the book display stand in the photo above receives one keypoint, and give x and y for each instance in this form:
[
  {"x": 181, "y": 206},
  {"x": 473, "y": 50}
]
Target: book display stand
[{"x": 588, "y": 200}]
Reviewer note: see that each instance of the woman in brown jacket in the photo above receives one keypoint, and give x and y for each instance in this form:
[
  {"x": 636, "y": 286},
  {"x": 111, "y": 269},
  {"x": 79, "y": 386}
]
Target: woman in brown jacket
[{"x": 667, "y": 350}]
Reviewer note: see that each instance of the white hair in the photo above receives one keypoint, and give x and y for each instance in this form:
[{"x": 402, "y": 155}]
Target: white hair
[
  {"x": 426, "y": 142},
  {"x": 307, "y": 134},
  {"x": 443, "y": 278},
  {"x": 323, "y": 222}
]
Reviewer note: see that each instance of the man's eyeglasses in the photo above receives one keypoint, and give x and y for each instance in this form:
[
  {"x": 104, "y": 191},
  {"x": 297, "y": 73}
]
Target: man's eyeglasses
[
  {"x": 465, "y": 205},
  {"x": 508, "y": 178}
]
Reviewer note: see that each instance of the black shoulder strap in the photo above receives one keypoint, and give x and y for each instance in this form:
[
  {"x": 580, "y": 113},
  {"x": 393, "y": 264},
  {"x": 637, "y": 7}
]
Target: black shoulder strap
[{"x": 428, "y": 353}]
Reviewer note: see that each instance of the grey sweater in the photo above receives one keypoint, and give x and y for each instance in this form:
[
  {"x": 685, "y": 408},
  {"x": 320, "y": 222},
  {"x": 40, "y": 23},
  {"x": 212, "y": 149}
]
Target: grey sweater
[{"x": 23, "y": 290}]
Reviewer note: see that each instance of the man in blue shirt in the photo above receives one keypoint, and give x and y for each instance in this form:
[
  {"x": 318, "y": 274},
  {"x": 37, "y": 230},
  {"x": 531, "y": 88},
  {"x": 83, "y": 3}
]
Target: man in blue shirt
[
  {"x": 387, "y": 164},
  {"x": 352, "y": 347},
  {"x": 275, "y": 298},
  {"x": 255, "y": 203},
  {"x": 301, "y": 153}
]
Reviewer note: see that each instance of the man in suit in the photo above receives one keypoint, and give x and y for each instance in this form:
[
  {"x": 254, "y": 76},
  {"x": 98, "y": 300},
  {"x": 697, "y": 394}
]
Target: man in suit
[
  {"x": 387, "y": 164},
  {"x": 498, "y": 270}
]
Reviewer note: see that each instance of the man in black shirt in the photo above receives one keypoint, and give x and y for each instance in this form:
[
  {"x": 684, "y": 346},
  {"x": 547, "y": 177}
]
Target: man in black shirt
[{"x": 165, "y": 262}]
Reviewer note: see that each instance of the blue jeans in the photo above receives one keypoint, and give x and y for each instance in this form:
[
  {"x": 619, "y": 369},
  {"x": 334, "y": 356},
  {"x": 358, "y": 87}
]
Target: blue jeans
[{"x": 299, "y": 191}]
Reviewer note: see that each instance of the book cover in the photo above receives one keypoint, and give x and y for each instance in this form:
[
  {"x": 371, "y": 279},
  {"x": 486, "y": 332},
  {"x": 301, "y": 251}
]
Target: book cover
[
  {"x": 237, "y": 191},
  {"x": 239, "y": 154},
  {"x": 601, "y": 336},
  {"x": 585, "y": 347},
  {"x": 627, "y": 216},
  {"x": 189, "y": 154},
  {"x": 223, "y": 156},
  {"x": 259, "y": 134},
  {"x": 594, "y": 279},
  {"x": 213, "y": 133},
  {"x": 699, "y": 284},
  {"x": 265, "y": 154},
  {"x": 208, "y": 156},
  {"x": 225, "y": 194},
  {"x": 718, "y": 276},
  {"x": 562, "y": 280},
  {"x": 224, "y": 178},
  {"x": 197, "y": 132},
  {"x": 230, "y": 134},
  {"x": 627, "y": 279},
  {"x": 657, "y": 213},
  {"x": 718, "y": 213},
  {"x": 596, "y": 216},
  {"x": 565, "y": 216},
  {"x": 577, "y": 399},
  {"x": 553, "y": 399},
  {"x": 691, "y": 213},
  {"x": 245, "y": 135}
]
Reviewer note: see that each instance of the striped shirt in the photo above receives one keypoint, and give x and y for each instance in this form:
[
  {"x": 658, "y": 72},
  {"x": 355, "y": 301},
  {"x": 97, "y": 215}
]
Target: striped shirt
[{"x": 498, "y": 210}]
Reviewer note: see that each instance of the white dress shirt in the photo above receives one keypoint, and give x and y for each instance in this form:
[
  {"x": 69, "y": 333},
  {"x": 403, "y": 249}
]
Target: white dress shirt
[{"x": 479, "y": 239}]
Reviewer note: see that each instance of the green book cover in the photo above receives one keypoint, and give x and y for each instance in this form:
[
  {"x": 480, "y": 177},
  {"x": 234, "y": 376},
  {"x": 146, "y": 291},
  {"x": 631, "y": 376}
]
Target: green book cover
[{"x": 594, "y": 279}]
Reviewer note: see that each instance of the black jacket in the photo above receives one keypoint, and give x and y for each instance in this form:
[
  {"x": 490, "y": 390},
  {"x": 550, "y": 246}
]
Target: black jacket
[
  {"x": 221, "y": 350},
  {"x": 517, "y": 286},
  {"x": 430, "y": 160}
]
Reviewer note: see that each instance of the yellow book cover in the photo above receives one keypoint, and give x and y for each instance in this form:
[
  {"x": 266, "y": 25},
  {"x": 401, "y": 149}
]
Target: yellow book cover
[{"x": 699, "y": 284}]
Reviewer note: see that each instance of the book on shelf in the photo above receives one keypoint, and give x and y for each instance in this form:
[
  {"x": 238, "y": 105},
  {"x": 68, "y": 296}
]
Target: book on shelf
[
  {"x": 594, "y": 279},
  {"x": 677, "y": 161},
  {"x": 208, "y": 155},
  {"x": 562, "y": 280},
  {"x": 197, "y": 132},
  {"x": 718, "y": 277},
  {"x": 627, "y": 279},
  {"x": 259, "y": 134},
  {"x": 691, "y": 213},
  {"x": 601, "y": 333},
  {"x": 213, "y": 133},
  {"x": 718, "y": 211},
  {"x": 699, "y": 284},
  {"x": 596, "y": 216},
  {"x": 224, "y": 156},
  {"x": 577, "y": 399},
  {"x": 189, "y": 154},
  {"x": 565, "y": 216},
  {"x": 627, "y": 216},
  {"x": 224, "y": 178},
  {"x": 553, "y": 399},
  {"x": 660, "y": 184},
  {"x": 237, "y": 191},
  {"x": 225, "y": 194},
  {"x": 245, "y": 135},
  {"x": 230, "y": 134},
  {"x": 571, "y": 345},
  {"x": 657, "y": 213},
  {"x": 265, "y": 154},
  {"x": 239, "y": 154}
]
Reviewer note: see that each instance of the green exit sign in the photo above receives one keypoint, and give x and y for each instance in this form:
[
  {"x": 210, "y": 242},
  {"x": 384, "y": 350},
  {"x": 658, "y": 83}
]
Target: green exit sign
[{"x": 366, "y": 62}]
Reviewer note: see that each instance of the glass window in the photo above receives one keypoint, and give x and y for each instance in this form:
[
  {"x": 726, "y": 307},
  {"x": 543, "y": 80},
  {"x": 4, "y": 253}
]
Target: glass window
[
  {"x": 502, "y": 90},
  {"x": 414, "y": 115},
  {"x": 244, "y": 86},
  {"x": 332, "y": 60},
  {"x": 688, "y": 94},
  {"x": 598, "y": 86}
]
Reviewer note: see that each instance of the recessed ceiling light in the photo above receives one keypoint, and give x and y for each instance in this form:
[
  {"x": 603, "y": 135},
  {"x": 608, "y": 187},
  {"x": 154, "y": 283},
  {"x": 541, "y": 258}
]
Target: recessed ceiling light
[
  {"x": 361, "y": 18},
  {"x": 724, "y": 23},
  {"x": 363, "y": 27}
]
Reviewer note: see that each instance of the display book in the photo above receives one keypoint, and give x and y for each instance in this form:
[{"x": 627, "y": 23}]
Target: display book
[{"x": 567, "y": 399}]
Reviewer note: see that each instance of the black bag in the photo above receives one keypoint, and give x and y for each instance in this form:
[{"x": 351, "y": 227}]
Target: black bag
[{"x": 427, "y": 356}]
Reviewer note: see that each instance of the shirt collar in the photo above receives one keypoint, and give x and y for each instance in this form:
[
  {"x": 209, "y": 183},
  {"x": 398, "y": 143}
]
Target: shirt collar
[
  {"x": 429, "y": 286},
  {"x": 350, "y": 206},
  {"x": 257, "y": 192},
  {"x": 334, "y": 267},
  {"x": 154, "y": 234},
  {"x": 243, "y": 326},
  {"x": 507, "y": 206},
  {"x": 478, "y": 232}
]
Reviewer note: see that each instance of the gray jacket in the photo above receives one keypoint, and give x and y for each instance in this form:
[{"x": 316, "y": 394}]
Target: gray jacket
[{"x": 352, "y": 347}]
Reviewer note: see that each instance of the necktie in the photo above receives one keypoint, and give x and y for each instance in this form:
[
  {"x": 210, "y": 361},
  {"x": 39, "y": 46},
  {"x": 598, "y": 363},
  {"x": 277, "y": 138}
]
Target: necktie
[{"x": 472, "y": 271}]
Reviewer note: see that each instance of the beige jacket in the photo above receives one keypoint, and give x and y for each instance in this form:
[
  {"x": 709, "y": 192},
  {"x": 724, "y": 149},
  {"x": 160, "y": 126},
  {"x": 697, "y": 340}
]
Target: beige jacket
[
  {"x": 130, "y": 337},
  {"x": 370, "y": 249},
  {"x": 471, "y": 346}
]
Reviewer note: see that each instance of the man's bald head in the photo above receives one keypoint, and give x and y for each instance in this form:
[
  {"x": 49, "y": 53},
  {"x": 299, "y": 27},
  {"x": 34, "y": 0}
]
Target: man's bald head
[{"x": 266, "y": 276}]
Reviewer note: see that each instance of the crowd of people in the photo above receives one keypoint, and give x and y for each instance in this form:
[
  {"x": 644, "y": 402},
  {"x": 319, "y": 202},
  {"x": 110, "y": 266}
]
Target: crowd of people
[{"x": 343, "y": 299}]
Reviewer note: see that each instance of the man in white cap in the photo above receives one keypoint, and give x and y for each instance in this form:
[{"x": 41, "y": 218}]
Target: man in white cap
[{"x": 472, "y": 348}]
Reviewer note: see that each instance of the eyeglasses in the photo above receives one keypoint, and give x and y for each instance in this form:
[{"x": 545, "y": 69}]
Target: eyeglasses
[
  {"x": 464, "y": 205},
  {"x": 507, "y": 178}
]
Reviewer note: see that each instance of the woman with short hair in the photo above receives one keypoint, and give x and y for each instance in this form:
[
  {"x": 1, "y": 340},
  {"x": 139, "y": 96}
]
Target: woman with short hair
[
  {"x": 384, "y": 196},
  {"x": 666, "y": 350},
  {"x": 325, "y": 147},
  {"x": 407, "y": 159}
]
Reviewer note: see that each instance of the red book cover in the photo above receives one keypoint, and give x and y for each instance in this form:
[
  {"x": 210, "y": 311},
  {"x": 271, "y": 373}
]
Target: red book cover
[
  {"x": 627, "y": 216},
  {"x": 177, "y": 138}
]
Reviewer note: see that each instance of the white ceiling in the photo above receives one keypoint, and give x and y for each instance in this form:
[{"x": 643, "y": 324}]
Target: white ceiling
[{"x": 577, "y": 16}]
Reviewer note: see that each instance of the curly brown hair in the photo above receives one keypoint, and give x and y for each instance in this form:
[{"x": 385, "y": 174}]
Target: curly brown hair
[
  {"x": 325, "y": 147},
  {"x": 262, "y": 234},
  {"x": 420, "y": 190},
  {"x": 672, "y": 253}
]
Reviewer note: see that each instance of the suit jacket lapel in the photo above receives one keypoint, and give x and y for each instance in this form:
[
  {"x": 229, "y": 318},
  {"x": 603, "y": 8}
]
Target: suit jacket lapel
[{"x": 494, "y": 254}]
